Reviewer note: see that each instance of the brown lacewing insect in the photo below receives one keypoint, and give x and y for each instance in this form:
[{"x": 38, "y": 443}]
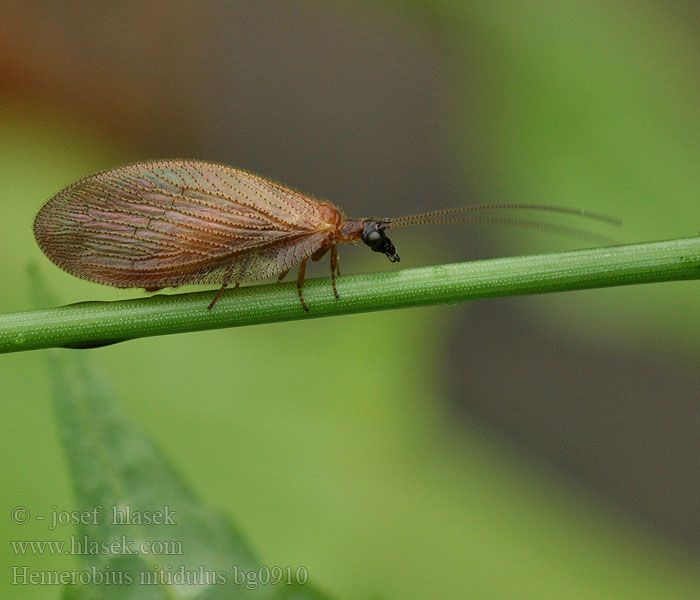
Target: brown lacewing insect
[{"x": 175, "y": 222}]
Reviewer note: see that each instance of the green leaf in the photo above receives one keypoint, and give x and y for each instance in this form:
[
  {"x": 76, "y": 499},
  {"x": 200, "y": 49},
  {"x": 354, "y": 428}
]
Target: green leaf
[{"x": 187, "y": 551}]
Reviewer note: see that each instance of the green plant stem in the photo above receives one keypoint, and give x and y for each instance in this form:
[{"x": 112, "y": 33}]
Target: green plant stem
[{"x": 90, "y": 324}]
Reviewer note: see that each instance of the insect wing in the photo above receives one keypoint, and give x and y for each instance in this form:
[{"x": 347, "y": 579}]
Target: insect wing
[{"x": 170, "y": 223}]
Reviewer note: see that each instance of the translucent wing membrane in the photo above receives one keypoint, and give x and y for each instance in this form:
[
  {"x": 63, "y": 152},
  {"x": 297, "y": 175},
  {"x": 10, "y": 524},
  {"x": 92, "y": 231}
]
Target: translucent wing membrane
[{"x": 168, "y": 223}]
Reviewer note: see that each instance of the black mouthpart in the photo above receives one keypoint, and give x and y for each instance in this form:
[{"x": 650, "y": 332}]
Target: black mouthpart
[{"x": 386, "y": 247}]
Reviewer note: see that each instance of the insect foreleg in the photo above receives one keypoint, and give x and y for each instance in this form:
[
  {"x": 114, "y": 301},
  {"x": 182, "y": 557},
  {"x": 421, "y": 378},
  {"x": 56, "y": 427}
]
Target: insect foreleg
[
  {"x": 334, "y": 269},
  {"x": 320, "y": 253}
]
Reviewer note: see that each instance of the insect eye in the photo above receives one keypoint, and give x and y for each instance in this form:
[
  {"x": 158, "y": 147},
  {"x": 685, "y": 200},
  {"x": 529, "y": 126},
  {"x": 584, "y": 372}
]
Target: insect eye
[{"x": 374, "y": 239}]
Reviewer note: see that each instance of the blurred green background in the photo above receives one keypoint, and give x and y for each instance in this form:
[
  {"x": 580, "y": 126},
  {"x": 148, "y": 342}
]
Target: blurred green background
[{"x": 542, "y": 447}]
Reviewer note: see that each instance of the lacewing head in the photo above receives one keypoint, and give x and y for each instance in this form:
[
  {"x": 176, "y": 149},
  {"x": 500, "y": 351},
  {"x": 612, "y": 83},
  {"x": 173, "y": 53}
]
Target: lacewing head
[{"x": 374, "y": 235}]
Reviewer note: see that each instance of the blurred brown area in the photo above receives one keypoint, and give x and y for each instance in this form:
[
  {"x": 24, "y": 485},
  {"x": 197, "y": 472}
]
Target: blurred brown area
[
  {"x": 350, "y": 104},
  {"x": 320, "y": 98}
]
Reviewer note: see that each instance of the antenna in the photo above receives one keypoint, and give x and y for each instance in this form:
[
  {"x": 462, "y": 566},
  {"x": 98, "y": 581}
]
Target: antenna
[{"x": 443, "y": 216}]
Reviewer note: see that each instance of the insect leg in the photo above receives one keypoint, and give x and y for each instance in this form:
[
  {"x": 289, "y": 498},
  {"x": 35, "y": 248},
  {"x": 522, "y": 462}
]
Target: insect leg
[
  {"x": 227, "y": 279},
  {"x": 334, "y": 268},
  {"x": 320, "y": 253},
  {"x": 300, "y": 283},
  {"x": 241, "y": 273},
  {"x": 282, "y": 275}
]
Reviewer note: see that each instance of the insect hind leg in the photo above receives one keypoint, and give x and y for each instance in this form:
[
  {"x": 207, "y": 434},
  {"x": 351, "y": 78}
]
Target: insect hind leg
[{"x": 227, "y": 280}]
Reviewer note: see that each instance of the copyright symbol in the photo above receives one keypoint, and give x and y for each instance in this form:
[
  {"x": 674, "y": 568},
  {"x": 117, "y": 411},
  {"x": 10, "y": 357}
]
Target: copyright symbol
[{"x": 20, "y": 515}]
